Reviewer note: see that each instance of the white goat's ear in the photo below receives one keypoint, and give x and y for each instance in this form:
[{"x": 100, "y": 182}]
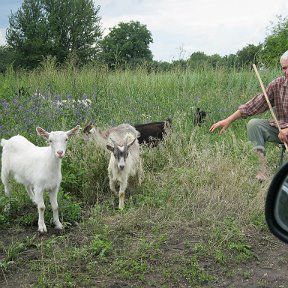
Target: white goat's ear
[
  {"x": 73, "y": 131},
  {"x": 42, "y": 132}
]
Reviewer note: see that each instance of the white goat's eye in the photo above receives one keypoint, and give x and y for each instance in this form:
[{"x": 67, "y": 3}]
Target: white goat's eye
[{"x": 66, "y": 139}]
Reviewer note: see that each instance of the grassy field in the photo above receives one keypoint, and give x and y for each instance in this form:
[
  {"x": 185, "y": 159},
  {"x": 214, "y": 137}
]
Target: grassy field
[{"x": 196, "y": 211}]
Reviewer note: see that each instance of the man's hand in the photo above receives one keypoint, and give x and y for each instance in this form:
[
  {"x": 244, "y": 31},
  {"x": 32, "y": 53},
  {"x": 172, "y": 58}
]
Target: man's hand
[{"x": 223, "y": 124}]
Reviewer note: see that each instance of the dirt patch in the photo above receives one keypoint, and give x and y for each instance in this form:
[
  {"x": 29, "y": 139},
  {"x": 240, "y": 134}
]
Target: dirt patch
[{"x": 267, "y": 269}]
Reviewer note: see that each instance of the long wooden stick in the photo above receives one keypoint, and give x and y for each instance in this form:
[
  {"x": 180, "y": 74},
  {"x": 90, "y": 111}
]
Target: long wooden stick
[{"x": 268, "y": 102}]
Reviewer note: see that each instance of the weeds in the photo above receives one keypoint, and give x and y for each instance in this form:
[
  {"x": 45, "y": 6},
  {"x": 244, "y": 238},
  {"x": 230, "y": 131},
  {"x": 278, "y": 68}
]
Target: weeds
[
  {"x": 13, "y": 252},
  {"x": 187, "y": 222}
]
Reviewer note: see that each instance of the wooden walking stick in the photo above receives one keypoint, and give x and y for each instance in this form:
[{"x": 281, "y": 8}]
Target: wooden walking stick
[{"x": 268, "y": 102}]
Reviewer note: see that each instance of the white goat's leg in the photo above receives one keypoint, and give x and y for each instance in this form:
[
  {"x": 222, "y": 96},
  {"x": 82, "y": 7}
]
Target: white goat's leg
[
  {"x": 112, "y": 185},
  {"x": 5, "y": 181},
  {"x": 30, "y": 192},
  {"x": 55, "y": 209},
  {"x": 41, "y": 208},
  {"x": 123, "y": 186}
]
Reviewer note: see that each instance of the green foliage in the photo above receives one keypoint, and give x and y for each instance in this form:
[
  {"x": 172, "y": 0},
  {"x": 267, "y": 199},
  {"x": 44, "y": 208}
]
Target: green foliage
[
  {"x": 258, "y": 219},
  {"x": 85, "y": 171},
  {"x": 14, "y": 251},
  {"x": 28, "y": 32},
  {"x": 244, "y": 58},
  {"x": 6, "y": 58},
  {"x": 127, "y": 44},
  {"x": 230, "y": 238},
  {"x": 19, "y": 209},
  {"x": 248, "y": 55},
  {"x": 275, "y": 44},
  {"x": 74, "y": 29},
  {"x": 194, "y": 273},
  {"x": 70, "y": 209},
  {"x": 58, "y": 28},
  {"x": 100, "y": 247},
  {"x": 198, "y": 60}
]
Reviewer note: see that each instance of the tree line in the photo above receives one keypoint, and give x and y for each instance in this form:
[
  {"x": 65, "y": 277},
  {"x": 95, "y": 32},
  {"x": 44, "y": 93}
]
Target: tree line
[{"x": 67, "y": 30}]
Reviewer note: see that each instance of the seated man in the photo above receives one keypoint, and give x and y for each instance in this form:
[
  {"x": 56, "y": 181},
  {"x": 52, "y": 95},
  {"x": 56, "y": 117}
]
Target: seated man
[{"x": 262, "y": 130}]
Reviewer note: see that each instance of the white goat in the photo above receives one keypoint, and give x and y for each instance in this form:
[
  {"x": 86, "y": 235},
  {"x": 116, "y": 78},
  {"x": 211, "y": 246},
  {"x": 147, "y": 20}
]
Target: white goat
[
  {"x": 125, "y": 158},
  {"x": 37, "y": 168}
]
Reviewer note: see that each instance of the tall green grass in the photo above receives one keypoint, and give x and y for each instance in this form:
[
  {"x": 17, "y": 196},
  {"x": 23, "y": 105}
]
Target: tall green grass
[
  {"x": 134, "y": 96},
  {"x": 199, "y": 191}
]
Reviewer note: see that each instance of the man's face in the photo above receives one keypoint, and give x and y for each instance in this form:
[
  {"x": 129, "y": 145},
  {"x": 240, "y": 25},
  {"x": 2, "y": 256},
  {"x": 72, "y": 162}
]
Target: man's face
[{"x": 284, "y": 65}]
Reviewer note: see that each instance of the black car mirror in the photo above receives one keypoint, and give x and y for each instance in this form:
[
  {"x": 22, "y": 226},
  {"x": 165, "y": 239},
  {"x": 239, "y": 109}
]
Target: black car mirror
[{"x": 276, "y": 206}]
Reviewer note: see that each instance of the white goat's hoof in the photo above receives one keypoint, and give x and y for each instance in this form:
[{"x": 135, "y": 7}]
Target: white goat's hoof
[
  {"x": 42, "y": 229},
  {"x": 59, "y": 226}
]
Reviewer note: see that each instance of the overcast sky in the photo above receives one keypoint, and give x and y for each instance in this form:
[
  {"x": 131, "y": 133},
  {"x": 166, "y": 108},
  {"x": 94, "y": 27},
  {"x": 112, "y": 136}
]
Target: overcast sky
[{"x": 181, "y": 27}]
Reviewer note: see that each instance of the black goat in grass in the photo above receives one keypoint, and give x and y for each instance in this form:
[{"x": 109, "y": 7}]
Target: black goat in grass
[
  {"x": 150, "y": 133},
  {"x": 199, "y": 117}
]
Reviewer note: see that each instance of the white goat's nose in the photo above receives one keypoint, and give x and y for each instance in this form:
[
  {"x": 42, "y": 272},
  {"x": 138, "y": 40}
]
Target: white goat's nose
[
  {"x": 121, "y": 167},
  {"x": 60, "y": 153}
]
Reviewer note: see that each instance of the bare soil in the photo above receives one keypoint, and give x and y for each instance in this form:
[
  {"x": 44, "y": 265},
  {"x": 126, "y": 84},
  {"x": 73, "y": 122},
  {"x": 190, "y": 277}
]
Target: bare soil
[{"x": 267, "y": 269}]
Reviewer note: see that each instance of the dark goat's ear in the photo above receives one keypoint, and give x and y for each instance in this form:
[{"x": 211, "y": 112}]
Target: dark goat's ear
[
  {"x": 110, "y": 148},
  {"x": 87, "y": 128}
]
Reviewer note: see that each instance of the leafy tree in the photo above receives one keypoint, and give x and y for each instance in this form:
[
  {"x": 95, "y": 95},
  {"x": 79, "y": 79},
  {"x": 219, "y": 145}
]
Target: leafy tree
[
  {"x": 54, "y": 27},
  {"x": 179, "y": 65},
  {"x": 248, "y": 55},
  {"x": 28, "y": 34},
  {"x": 215, "y": 60},
  {"x": 73, "y": 28},
  {"x": 6, "y": 58},
  {"x": 276, "y": 43},
  {"x": 198, "y": 60},
  {"x": 229, "y": 61},
  {"x": 160, "y": 66},
  {"x": 127, "y": 43}
]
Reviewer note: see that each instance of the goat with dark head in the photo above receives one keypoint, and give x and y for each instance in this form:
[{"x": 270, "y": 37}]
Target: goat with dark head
[
  {"x": 154, "y": 132},
  {"x": 120, "y": 152},
  {"x": 125, "y": 160}
]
